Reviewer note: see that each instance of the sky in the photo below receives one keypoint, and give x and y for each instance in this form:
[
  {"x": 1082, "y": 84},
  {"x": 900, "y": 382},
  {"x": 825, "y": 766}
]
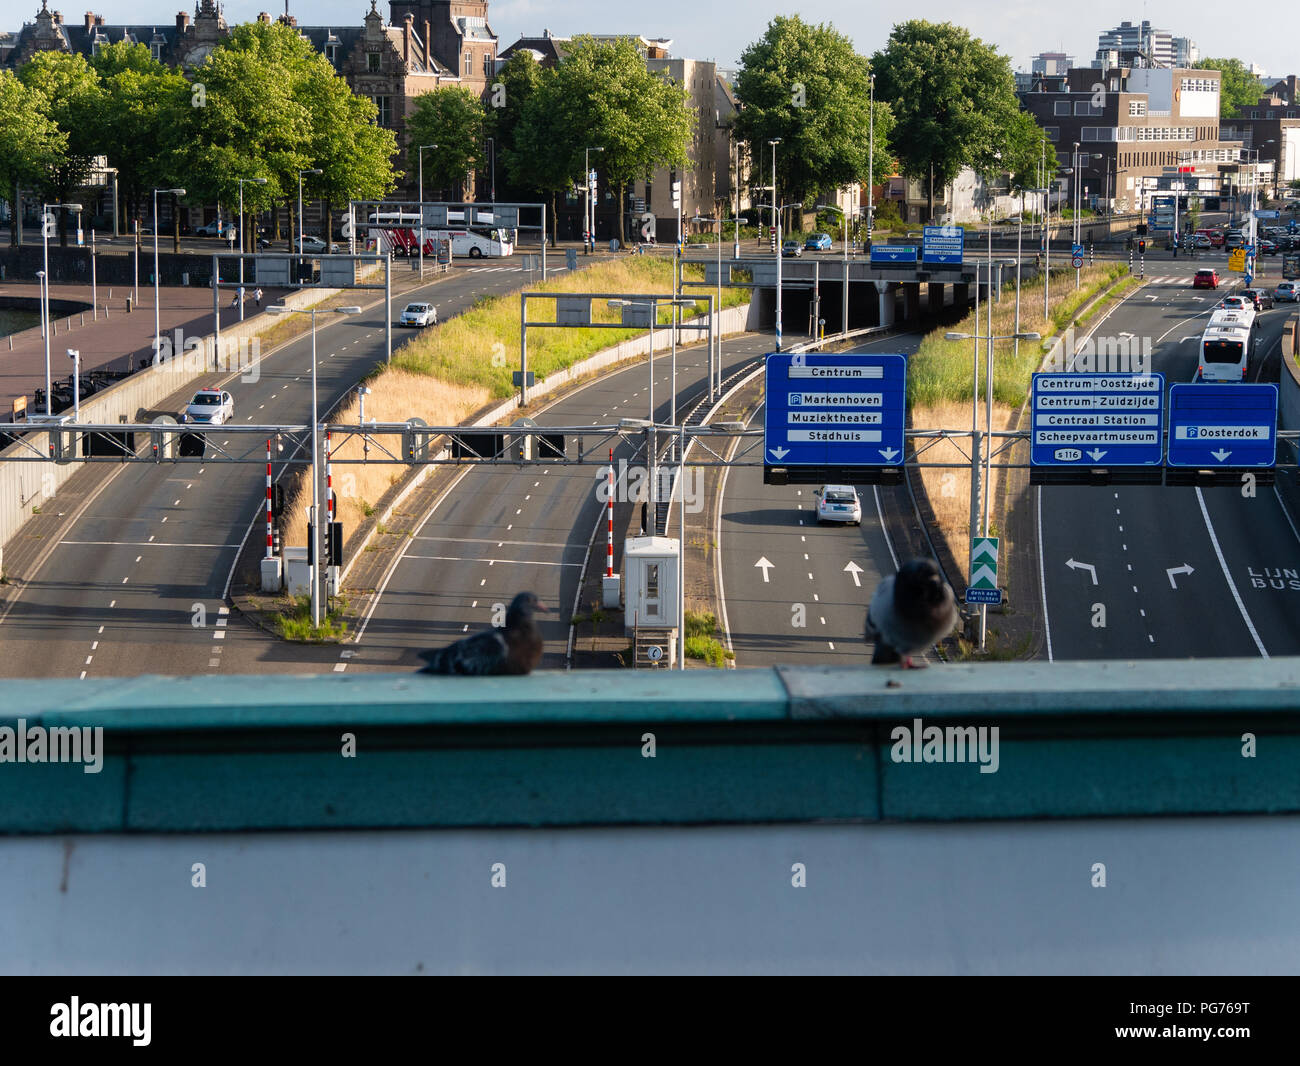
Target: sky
[{"x": 721, "y": 29}]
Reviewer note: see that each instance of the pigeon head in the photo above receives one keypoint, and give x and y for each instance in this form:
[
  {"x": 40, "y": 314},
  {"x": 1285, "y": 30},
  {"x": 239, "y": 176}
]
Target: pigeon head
[
  {"x": 919, "y": 587},
  {"x": 522, "y": 608}
]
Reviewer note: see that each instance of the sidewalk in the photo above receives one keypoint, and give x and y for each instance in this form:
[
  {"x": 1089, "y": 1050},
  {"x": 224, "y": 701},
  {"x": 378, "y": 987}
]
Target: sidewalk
[{"x": 117, "y": 341}]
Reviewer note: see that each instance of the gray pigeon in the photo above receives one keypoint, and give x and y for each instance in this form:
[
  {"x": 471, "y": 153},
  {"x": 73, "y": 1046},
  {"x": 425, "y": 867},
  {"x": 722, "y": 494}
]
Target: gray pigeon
[
  {"x": 910, "y": 611},
  {"x": 516, "y": 648}
]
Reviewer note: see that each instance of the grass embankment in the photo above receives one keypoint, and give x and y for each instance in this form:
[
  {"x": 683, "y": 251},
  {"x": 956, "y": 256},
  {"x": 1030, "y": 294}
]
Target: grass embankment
[
  {"x": 447, "y": 372},
  {"x": 293, "y": 619},
  {"x": 939, "y": 384}
]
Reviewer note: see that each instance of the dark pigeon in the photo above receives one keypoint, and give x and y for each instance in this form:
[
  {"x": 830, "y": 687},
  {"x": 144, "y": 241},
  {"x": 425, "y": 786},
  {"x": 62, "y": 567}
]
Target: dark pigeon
[
  {"x": 514, "y": 649},
  {"x": 910, "y": 611}
]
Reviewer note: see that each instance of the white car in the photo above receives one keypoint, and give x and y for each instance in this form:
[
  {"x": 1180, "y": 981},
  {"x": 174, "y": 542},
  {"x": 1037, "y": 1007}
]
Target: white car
[
  {"x": 210, "y": 406},
  {"x": 313, "y": 244},
  {"x": 419, "y": 315},
  {"x": 838, "y": 503}
]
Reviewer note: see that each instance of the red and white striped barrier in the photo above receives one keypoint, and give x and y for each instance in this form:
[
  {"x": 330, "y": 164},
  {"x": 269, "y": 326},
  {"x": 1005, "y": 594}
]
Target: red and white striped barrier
[
  {"x": 609, "y": 537},
  {"x": 269, "y": 550}
]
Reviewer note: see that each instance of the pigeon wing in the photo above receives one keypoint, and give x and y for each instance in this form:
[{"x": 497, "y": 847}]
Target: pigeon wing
[{"x": 483, "y": 653}]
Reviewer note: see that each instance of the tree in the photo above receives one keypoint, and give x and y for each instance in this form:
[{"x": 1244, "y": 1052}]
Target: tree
[
  {"x": 604, "y": 95},
  {"x": 1239, "y": 87},
  {"x": 30, "y": 143},
  {"x": 547, "y": 139},
  {"x": 68, "y": 93},
  {"x": 1026, "y": 152},
  {"x": 953, "y": 98},
  {"x": 806, "y": 85},
  {"x": 516, "y": 83},
  {"x": 453, "y": 119},
  {"x": 140, "y": 121}
]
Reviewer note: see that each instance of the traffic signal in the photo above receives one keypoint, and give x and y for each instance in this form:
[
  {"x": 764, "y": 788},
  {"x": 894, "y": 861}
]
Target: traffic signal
[
  {"x": 677, "y": 194},
  {"x": 1142, "y": 246}
]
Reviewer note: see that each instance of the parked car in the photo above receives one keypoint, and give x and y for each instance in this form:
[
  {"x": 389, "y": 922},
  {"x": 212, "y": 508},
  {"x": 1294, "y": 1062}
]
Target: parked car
[
  {"x": 791, "y": 249},
  {"x": 216, "y": 228},
  {"x": 1197, "y": 240},
  {"x": 210, "y": 406},
  {"x": 1234, "y": 240},
  {"x": 419, "y": 314},
  {"x": 818, "y": 242},
  {"x": 1207, "y": 278},
  {"x": 1287, "y": 292},
  {"x": 1261, "y": 298},
  {"x": 839, "y": 503},
  {"x": 314, "y": 244}
]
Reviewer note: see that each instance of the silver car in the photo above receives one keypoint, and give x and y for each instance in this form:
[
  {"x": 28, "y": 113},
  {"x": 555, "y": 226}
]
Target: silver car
[
  {"x": 211, "y": 407},
  {"x": 839, "y": 503}
]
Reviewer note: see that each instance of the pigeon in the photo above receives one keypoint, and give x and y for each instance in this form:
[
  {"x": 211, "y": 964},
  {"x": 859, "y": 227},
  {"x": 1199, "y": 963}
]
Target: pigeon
[
  {"x": 910, "y": 611},
  {"x": 515, "y": 648}
]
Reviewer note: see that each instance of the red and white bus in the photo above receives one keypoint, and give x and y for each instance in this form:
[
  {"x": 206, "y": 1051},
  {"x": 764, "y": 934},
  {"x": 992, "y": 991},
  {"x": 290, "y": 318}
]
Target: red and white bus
[{"x": 396, "y": 231}]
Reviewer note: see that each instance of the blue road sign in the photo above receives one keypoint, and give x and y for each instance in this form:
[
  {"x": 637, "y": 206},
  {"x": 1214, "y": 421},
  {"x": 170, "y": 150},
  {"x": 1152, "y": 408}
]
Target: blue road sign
[
  {"x": 1076, "y": 251},
  {"x": 826, "y": 410},
  {"x": 1224, "y": 424},
  {"x": 983, "y": 595},
  {"x": 942, "y": 244},
  {"x": 1097, "y": 420},
  {"x": 893, "y": 255}
]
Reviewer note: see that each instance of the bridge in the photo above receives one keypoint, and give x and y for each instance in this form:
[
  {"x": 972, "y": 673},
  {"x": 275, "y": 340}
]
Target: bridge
[{"x": 993, "y": 818}]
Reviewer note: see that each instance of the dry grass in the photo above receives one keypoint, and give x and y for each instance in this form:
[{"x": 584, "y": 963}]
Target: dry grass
[
  {"x": 395, "y": 396},
  {"x": 949, "y": 489}
]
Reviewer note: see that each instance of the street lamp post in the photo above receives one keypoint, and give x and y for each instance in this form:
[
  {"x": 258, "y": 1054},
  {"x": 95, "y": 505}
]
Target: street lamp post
[
  {"x": 1078, "y": 185},
  {"x": 844, "y": 217},
  {"x": 871, "y": 152},
  {"x": 588, "y": 206},
  {"x": 75, "y": 355},
  {"x": 312, "y": 170},
  {"x": 776, "y": 223},
  {"x": 47, "y": 223},
  {"x": 316, "y": 555},
  {"x": 975, "y": 487},
  {"x": 420, "y": 224},
  {"x": 157, "y": 326},
  {"x": 492, "y": 149},
  {"x": 242, "y": 247}
]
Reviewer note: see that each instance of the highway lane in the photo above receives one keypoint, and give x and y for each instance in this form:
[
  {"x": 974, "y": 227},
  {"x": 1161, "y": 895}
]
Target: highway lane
[
  {"x": 137, "y": 583},
  {"x": 806, "y": 608},
  {"x": 495, "y": 532},
  {"x": 1237, "y": 599}
]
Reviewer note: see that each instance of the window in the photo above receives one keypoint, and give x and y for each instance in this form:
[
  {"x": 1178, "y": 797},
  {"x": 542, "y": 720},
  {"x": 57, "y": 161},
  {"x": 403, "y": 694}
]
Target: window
[
  {"x": 372, "y": 61},
  {"x": 384, "y": 105},
  {"x": 652, "y": 581},
  {"x": 155, "y": 50},
  {"x": 469, "y": 63},
  {"x": 1137, "y": 108},
  {"x": 1083, "y": 107},
  {"x": 332, "y": 54},
  {"x": 1053, "y": 132},
  {"x": 1061, "y": 107}
]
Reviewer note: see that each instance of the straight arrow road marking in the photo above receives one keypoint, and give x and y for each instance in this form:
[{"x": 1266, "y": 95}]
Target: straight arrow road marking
[
  {"x": 1171, "y": 571},
  {"x": 766, "y": 566},
  {"x": 1092, "y": 570},
  {"x": 854, "y": 569}
]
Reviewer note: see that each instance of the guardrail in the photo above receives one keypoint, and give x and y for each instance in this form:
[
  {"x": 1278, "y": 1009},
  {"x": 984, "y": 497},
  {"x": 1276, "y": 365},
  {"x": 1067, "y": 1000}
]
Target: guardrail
[{"x": 958, "y": 742}]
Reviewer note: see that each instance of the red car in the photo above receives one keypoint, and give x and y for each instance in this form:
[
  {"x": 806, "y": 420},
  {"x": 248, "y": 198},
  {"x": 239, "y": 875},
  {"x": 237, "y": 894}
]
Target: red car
[{"x": 1206, "y": 279}]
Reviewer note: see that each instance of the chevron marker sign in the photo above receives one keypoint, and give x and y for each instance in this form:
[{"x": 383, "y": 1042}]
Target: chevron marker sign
[{"x": 984, "y": 571}]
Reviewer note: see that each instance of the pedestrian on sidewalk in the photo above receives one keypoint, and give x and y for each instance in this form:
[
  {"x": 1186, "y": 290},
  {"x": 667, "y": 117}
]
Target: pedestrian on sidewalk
[
  {"x": 257, "y": 297},
  {"x": 234, "y": 300}
]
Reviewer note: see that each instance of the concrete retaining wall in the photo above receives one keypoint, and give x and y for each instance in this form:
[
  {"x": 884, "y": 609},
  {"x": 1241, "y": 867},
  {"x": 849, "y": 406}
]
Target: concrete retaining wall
[{"x": 24, "y": 485}]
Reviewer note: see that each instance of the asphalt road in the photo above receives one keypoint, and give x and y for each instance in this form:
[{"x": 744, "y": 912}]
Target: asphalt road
[
  {"x": 137, "y": 583},
  {"x": 809, "y": 606},
  {"x": 1242, "y": 593},
  {"x": 496, "y": 532}
]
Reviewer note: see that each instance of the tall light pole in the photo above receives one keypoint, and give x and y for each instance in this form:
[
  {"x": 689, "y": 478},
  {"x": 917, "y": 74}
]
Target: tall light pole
[
  {"x": 316, "y": 554},
  {"x": 871, "y": 152},
  {"x": 420, "y": 224},
  {"x": 717, "y": 307},
  {"x": 844, "y": 216},
  {"x": 47, "y": 224},
  {"x": 311, "y": 170},
  {"x": 776, "y": 224},
  {"x": 75, "y": 355},
  {"x": 1078, "y": 188},
  {"x": 588, "y": 207},
  {"x": 242, "y": 247},
  {"x": 157, "y": 326},
  {"x": 492, "y": 148}
]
